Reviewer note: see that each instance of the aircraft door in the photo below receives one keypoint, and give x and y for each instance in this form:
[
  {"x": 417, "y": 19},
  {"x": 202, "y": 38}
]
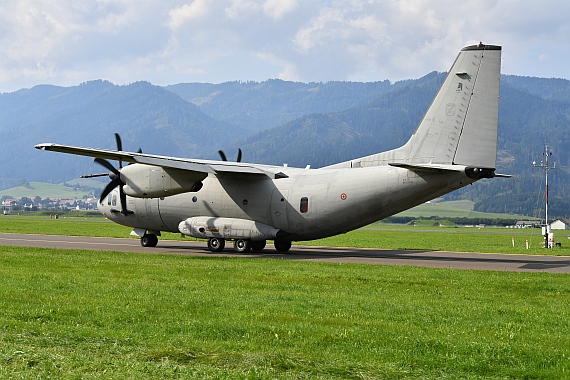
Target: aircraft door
[
  {"x": 279, "y": 209},
  {"x": 152, "y": 214}
]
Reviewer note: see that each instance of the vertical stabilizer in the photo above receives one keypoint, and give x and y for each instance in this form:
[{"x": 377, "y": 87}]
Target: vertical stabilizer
[{"x": 460, "y": 126}]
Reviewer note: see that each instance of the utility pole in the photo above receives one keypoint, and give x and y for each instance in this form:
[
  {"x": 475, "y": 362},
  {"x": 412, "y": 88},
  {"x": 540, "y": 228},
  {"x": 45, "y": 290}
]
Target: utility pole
[{"x": 544, "y": 165}]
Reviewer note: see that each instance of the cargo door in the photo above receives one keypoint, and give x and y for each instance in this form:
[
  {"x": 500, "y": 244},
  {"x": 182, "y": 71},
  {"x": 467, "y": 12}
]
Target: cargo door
[{"x": 153, "y": 218}]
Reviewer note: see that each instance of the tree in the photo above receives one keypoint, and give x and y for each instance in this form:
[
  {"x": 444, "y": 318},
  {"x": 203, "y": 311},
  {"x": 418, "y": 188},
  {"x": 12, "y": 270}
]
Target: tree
[{"x": 24, "y": 183}]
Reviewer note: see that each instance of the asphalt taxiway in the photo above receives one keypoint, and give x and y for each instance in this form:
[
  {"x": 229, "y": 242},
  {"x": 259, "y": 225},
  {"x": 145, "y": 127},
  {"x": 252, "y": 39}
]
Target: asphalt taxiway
[{"x": 434, "y": 259}]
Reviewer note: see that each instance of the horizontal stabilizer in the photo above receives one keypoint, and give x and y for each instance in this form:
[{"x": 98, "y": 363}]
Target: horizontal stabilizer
[
  {"x": 429, "y": 167},
  {"x": 471, "y": 172}
]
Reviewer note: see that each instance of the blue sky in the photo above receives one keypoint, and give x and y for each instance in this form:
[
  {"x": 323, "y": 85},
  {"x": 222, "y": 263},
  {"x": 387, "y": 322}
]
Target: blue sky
[{"x": 67, "y": 42}]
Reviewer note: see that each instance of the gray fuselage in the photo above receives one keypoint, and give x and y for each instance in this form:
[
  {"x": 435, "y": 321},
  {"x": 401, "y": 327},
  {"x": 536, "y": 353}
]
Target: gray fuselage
[{"x": 309, "y": 204}]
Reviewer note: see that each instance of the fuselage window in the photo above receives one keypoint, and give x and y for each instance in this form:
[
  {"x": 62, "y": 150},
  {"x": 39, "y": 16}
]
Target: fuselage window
[{"x": 304, "y": 204}]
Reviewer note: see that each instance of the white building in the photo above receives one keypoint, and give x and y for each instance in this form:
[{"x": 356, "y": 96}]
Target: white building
[{"x": 560, "y": 224}]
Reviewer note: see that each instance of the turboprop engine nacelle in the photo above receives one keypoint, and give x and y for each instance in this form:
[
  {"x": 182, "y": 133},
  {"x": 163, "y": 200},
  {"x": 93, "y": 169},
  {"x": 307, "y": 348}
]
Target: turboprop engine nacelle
[
  {"x": 146, "y": 181},
  {"x": 226, "y": 228}
]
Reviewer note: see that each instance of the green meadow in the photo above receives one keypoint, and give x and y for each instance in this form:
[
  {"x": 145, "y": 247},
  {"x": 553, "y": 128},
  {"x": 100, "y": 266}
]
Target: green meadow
[
  {"x": 455, "y": 209},
  {"x": 45, "y": 190},
  {"x": 71, "y": 314}
]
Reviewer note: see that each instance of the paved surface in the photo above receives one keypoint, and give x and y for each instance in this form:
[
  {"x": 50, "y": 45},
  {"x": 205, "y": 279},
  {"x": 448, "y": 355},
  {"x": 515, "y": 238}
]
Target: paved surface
[{"x": 435, "y": 259}]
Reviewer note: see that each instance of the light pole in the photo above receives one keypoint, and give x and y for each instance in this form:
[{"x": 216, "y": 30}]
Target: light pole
[{"x": 544, "y": 165}]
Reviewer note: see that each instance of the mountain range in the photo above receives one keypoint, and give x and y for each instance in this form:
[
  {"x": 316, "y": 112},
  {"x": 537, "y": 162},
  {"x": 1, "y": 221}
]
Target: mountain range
[{"x": 277, "y": 122}]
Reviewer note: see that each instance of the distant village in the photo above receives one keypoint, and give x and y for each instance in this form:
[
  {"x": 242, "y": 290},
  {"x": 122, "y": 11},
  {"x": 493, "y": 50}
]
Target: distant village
[{"x": 10, "y": 205}]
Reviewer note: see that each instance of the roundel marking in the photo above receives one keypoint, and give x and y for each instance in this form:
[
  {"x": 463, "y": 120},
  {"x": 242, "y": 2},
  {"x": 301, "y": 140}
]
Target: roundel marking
[{"x": 343, "y": 196}]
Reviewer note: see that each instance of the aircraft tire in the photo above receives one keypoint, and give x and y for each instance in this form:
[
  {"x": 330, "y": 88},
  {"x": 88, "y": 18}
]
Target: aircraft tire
[
  {"x": 216, "y": 244},
  {"x": 282, "y": 246},
  {"x": 149, "y": 240},
  {"x": 242, "y": 245},
  {"x": 258, "y": 245}
]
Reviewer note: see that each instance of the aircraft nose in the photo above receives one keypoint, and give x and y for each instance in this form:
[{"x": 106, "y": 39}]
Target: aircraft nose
[
  {"x": 104, "y": 208},
  {"x": 101, "y": 207}
]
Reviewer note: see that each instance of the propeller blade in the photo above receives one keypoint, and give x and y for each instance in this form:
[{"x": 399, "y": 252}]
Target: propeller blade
[
  {"x": 107, "y": 164},
  {"x": 94, "y": 175},
  {"x": 119, "y": 147},
  {"x": 224, "y": 158},
  {"x": 115, "y": 175},
  {"x": 119, "y": 143},
  {"x": 110, "y": 186},
  {"x": 123, "y": 198}
]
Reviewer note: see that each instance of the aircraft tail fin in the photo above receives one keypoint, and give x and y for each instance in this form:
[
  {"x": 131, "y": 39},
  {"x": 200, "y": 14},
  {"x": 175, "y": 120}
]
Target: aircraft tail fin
[{"x": 460, "y": 126}]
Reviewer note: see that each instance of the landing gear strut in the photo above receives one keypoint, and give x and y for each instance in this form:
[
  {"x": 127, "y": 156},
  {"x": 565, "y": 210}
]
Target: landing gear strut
[{"x": 149, "y": 240}]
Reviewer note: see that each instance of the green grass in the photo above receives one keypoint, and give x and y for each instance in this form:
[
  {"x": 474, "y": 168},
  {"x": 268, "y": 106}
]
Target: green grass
[
  {"x": 455, "y": 209},
  {"x": 65, "y": 225},
  {"x": 484, "y": 240},
  {"x": 81, "y": 314}
]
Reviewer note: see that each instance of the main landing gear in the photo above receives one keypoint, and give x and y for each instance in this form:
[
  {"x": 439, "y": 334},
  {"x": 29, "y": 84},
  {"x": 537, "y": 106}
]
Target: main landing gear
[
  {"x": 245, "y": 245},
  {"x": 149, "y": 240}
]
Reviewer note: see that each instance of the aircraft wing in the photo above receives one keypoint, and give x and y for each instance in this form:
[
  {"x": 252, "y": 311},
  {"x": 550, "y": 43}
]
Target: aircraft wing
[{"x": 202, "y": 166}]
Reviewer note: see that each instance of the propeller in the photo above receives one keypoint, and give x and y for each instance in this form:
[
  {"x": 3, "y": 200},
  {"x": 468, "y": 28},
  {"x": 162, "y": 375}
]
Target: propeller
[
  {"x": 115, "y": 175},
  {"x": 224, "y": 158}
]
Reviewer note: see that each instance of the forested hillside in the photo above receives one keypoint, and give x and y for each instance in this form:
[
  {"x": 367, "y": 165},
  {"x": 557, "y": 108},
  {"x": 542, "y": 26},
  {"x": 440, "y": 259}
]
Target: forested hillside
[
  {"x": 322, "y": 139},
  {"x": 280, "y": 122},
  {"x": 146, "y": 116},
  {"x": 261, "y": 106}
]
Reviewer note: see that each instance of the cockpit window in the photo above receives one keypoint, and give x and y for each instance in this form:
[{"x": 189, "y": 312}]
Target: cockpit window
[
  {"x": 304, "y": 205},
  {"x": 114, "y": 201}
]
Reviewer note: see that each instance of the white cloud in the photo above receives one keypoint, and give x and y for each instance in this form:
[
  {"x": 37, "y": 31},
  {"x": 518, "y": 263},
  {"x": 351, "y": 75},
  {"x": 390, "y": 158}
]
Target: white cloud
[
  {"x": 276, "y": 9},
  {"x": 241, "y": 10},
  {"x": 198, "y": 9},
  {"x": 62, "y": 42}
]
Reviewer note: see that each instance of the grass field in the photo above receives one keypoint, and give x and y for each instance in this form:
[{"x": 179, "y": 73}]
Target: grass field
[
  {"x": 455, "y": 209},
  {"x": 81, "y": 314}
]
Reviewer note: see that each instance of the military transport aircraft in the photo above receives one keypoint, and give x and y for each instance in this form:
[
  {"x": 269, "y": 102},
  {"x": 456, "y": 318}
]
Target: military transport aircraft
[{"x": 453, "y": 146}]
